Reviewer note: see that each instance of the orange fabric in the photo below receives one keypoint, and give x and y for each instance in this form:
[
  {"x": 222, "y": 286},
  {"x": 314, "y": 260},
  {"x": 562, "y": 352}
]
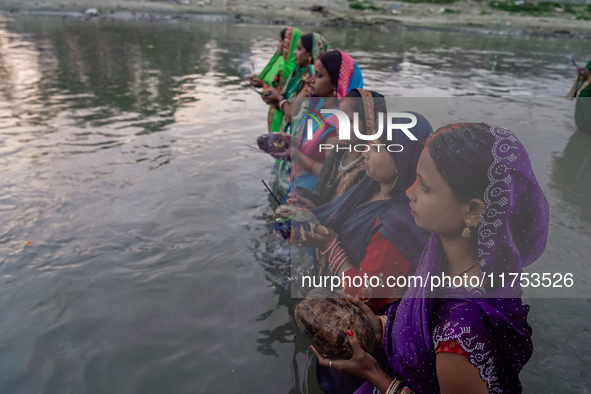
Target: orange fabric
[
  {"x": 451, "y": 346},
  {"x": 381, "y": 259}
]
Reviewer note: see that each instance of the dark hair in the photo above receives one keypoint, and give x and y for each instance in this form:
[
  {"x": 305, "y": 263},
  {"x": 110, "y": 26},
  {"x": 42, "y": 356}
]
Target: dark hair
[
  {"x": 332, "y": 62},
  {"x": 358, "y": 107},
  {"x": 463, "y": 154},
  {"x": 307, "y": 41},
  {"x": 282, "y": 33}
]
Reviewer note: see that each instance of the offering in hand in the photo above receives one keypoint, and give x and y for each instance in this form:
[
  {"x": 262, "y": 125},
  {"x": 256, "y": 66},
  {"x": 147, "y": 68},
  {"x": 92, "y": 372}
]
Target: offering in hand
[
  {"x": 274, "y": 143},
  {"x": 302, "y": 221},
  {"x": 325, "y": 318}
]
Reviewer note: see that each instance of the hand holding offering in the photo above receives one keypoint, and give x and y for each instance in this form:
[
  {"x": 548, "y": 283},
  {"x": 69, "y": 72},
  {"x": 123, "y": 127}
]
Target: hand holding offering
[
  {"x": 325, "y": 318},
  {"x": 301, "y": 226}
]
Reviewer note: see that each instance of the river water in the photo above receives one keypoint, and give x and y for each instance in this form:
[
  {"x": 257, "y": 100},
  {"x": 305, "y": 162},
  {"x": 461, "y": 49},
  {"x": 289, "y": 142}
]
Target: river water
[{"x": 136, "y": 256}]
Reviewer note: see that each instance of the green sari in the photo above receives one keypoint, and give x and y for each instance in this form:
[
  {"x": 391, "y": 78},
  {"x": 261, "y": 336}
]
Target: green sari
[
  {"x": 280, "y": 77},
  {"x": 268, "y": 73},
  {"x": 586, "y": 91},
  {"x": 582, "y": 91}
]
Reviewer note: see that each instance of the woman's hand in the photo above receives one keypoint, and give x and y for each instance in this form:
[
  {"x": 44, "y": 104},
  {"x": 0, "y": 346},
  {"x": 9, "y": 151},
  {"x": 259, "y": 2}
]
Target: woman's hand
[
  {"x": 294, "y": 199},
  {"x": 299, "y": 156},
  {"x": 583, "y": 73},
  {"x": 272, "y": 98},
  {"x": 362, "y": 364},
  {"x": 374, "y": 321},
  {"x": 305, "y": 92},
  {"x": 254, "y": 82}
]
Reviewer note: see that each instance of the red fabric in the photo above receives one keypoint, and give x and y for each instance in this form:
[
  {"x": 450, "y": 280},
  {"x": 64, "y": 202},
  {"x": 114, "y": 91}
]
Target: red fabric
[
  {"x": 381, "y": 257},
  {"x": 451, "y": 346}
]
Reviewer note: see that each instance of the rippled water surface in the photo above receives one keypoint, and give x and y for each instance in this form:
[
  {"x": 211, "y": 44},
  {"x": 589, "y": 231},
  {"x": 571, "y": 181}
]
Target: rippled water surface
[{"x": 134, "y": 247}]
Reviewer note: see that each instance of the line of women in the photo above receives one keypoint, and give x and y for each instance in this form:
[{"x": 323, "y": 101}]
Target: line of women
[{"x": 463, "y": 200}]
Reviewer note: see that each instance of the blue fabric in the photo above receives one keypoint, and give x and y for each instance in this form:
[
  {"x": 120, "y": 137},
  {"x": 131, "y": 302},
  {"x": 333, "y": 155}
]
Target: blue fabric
[
  {"x": 307, "y": 181},
  {"x": 316, "y": 103},
  {"x": 356, "y": 81},
  {"x": 354, "y": 221}
]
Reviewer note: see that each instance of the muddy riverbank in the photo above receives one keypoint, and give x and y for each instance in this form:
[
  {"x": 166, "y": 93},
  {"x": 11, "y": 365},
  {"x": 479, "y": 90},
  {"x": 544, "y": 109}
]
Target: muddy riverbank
[{"x": 468, "y": 15}]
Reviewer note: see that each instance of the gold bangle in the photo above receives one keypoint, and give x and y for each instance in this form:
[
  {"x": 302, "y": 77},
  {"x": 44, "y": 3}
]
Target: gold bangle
[
  {"x": 393, "y": 387},
  {"x": 390, "y": 386}
]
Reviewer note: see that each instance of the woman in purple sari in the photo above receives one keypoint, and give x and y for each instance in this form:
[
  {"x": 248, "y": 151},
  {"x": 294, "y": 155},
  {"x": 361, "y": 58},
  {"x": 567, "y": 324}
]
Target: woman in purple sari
[{"x": 477, "y": 193}]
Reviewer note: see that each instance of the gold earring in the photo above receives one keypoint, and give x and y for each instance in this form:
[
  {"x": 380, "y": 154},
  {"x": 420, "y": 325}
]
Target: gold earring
[
  {"x": 334, "y": 92},
  {"x": 466, "y": 232},
  {"x": 310, "y": 60},
  {"x": 395, "y": 180}
]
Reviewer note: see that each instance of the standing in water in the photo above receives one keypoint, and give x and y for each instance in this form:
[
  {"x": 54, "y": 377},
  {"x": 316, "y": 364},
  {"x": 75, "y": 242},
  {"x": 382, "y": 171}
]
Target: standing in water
[
  {"x": 280, "y": 75},
  {"x": 305, "y": 51},
  {"x": 488, "y": 215},
  {"x": 373, "y": 220},
  {"x": 581, "y": 90},
  {"x": 335, "y": 75},
  {"x": 343, "y": 168},
  {"x": 377, "y": 234}
]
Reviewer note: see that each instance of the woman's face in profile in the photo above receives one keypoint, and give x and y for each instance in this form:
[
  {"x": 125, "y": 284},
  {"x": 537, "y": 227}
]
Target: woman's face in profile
[
  {"x": 280, "y": 46},
  {"x": 433, "y": 203},
  {"x": 379, "y": 163},
  {"x": 300, "y": 54},
  {"x": 320, "y": 81}
]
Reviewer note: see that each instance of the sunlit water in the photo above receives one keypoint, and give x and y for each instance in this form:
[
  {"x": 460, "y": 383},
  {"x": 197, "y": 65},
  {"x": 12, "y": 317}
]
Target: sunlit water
[{"x": 135, "y": 251}]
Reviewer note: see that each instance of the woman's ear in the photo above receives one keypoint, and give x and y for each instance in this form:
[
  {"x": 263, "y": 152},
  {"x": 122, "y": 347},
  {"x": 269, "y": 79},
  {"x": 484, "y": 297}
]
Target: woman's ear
[{"x": 475, "y": 207}]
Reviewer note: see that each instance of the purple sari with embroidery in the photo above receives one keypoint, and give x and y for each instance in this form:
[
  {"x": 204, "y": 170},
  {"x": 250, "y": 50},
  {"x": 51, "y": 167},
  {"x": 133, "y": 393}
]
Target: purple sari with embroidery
[{"x": 491, "y": 323}]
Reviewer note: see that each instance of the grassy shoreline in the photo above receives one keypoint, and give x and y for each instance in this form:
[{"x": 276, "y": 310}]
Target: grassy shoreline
[{"x": 462, "y": 15}]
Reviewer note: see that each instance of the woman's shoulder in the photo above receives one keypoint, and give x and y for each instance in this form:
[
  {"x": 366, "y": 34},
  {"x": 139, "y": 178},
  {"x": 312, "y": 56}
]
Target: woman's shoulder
[
  {"x": 461, "y": 320},
  {"x": 481, "y": 315},
  {"x": 456, "y": 309}
]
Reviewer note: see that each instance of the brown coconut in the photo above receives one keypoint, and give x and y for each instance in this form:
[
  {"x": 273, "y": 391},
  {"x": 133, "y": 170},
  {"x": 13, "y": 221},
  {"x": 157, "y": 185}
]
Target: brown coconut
[{"x": 325, "y": 318}]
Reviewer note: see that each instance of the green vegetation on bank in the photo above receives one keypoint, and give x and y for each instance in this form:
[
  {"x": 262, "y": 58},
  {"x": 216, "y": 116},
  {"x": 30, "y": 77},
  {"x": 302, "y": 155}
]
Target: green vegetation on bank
[
  {"x": 521, "y": 7},
  {"x": 530, "y": 8},
  {"x": 429, "y": 1},
  {"x": 362, "y": 5}
]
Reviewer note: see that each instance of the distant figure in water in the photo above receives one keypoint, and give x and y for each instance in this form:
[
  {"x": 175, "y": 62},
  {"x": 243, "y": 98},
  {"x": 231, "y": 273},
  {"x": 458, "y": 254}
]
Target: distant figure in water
[{"x": 582, "y": 91}]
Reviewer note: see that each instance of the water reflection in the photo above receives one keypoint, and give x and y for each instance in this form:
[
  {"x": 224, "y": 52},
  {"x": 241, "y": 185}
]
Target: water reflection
[{"x": 571, "y": 174}]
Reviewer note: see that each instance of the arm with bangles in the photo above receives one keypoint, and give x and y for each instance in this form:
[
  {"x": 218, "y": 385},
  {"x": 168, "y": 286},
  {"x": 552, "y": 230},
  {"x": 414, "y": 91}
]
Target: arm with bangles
[
  {"x": 382, "y": 260},
  {"x": 286, "y": 105}
]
